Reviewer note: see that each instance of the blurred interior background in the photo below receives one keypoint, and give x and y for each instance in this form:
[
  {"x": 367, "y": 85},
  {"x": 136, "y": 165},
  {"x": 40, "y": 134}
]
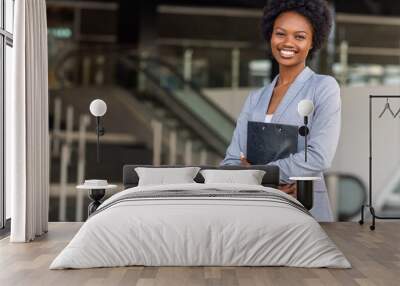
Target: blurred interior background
[{"x": 175, "y": 74}]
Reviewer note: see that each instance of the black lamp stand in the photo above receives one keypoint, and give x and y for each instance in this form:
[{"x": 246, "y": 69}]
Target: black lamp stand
[
  {"x": 369, "y": 205},
  {"x": 303, "y": 131},
  {"x": 100, "y": 132},
  {"x": 305, "y": 188}
]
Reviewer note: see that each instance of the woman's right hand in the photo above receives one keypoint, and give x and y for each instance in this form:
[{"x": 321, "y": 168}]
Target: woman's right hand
[
  {"x": 243, "y": 160},
  {"x": 289, "y": 189}
]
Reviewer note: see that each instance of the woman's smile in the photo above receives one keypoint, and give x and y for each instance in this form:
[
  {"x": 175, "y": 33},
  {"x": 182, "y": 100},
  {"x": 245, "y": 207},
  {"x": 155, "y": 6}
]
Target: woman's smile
[{"x": 287, "y": 53}]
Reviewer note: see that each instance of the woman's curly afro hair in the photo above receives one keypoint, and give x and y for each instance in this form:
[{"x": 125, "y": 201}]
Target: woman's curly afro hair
[{"x": 316, "y": 11}]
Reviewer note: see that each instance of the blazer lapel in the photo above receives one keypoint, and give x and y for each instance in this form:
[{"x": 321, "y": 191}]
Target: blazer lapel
[
  {"x": 261, "y": 108},
  {"x": 291, "y": 93}
]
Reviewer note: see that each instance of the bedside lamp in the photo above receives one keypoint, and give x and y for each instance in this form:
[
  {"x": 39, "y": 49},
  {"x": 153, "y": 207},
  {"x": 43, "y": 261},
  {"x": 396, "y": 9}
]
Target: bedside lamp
[
  {"x": 305, "y": 185},
  {"x": 98, "y": 108}
]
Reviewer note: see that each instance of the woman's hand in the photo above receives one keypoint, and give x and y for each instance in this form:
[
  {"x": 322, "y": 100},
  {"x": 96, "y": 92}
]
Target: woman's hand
[
  {"x": 289, "y": 189},
  {"x": 243, "y": 160}
]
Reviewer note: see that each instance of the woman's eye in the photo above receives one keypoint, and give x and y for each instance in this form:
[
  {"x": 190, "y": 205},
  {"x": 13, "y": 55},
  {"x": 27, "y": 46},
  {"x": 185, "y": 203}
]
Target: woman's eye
[
  {"x": 300, "y": 37},
  {"x": 279, "y": 34}
]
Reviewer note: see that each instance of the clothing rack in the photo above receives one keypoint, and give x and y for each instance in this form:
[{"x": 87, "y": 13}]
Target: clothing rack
[{"x": 369, "y": 205}]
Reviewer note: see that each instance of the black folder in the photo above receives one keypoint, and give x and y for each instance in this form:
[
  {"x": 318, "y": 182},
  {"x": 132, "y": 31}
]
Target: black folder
[{"x": 268, "y": 142}]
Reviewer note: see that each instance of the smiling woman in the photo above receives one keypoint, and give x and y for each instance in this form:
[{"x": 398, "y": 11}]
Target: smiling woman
[{"x": 294, "y": 30}]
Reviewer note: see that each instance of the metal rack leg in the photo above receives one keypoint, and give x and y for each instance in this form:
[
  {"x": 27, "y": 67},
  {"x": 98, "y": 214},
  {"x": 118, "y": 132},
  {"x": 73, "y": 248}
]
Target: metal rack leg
[
  {"x": 372, "y": 210},
  {"x": 374, "y": 216},
  {"x": 361, "y": 221}
]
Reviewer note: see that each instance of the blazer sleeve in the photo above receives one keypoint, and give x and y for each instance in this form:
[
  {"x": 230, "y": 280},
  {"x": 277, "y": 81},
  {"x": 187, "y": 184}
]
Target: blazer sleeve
[
  {"x": 323, "y": 137},
  {"x": 238, "y": 142}
]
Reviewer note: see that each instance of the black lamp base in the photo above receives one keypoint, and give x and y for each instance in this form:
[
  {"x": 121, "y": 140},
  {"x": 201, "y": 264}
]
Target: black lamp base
[
  {"x": 95, "y": 195},
  {"x": 305, "y": 193}
]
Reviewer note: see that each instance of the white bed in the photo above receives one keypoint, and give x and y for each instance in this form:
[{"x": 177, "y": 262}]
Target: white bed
[{"x": 183, "y": 230}]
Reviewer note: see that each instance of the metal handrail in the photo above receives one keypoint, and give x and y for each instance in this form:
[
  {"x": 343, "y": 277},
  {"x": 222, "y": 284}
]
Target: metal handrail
[{"x": 155, "y": 80}]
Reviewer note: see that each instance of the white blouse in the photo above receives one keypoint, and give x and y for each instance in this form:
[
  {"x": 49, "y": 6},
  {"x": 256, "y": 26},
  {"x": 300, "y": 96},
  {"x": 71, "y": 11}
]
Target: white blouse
[{"x": 268, "y": 118}]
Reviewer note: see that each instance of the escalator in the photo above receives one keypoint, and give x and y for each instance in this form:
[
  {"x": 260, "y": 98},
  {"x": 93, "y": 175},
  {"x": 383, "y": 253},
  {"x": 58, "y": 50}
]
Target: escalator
[{"x": 157, "y": 85}]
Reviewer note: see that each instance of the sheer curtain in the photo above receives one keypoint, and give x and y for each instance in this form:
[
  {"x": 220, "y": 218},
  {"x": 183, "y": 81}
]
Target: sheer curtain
[{"x": 27, "y": 136}]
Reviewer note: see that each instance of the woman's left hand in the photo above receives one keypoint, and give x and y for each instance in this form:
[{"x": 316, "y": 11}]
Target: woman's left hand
[{"x": 289, "y": 189}]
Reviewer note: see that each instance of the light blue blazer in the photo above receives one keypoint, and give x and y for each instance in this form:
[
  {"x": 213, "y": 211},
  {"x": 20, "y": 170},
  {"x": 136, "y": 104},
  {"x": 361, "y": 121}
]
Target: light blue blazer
[{"x": 324, "y": 125}]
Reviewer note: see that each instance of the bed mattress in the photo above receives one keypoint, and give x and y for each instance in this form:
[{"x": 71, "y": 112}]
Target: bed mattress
[{"x": 201, "y": 225}]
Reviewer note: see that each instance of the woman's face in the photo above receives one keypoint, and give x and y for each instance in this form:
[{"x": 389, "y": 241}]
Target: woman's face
[{"x": 291, "y": 39}]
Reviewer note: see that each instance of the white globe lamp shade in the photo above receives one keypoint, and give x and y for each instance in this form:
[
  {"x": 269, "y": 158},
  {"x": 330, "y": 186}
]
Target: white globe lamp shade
[
  {"x": 98, "y": 107},
  {"x": 305, "y": 107}
]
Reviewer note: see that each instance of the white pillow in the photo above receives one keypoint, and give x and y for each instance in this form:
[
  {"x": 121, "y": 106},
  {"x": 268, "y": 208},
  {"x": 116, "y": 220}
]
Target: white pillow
[
  {"x": 248, "y": 177},
  {"x": 163, "y": 176}
]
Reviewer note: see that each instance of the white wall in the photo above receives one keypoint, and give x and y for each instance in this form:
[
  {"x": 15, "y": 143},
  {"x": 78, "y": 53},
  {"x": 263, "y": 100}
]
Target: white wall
[
  {"x": 229, "y": 100},
  {"x": 352, "y": 153},
  {"x": 353, "y": 150}
]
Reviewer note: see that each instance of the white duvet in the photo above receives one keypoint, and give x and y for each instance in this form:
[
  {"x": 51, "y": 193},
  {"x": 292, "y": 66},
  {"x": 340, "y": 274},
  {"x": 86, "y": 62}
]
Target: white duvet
[{"x": 200, "y": 231}]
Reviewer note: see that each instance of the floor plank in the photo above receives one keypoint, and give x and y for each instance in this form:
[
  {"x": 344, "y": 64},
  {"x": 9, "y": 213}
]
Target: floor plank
[{"x": 374, "y": 255}]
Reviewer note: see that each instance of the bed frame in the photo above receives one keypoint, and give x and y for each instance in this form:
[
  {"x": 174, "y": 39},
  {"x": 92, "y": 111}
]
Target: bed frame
[{"x": 270, "y": 179}]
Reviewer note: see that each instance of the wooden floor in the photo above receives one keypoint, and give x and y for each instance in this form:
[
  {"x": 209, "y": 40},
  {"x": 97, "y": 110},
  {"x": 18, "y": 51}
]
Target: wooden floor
[{"x": 375, "y": 257}]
